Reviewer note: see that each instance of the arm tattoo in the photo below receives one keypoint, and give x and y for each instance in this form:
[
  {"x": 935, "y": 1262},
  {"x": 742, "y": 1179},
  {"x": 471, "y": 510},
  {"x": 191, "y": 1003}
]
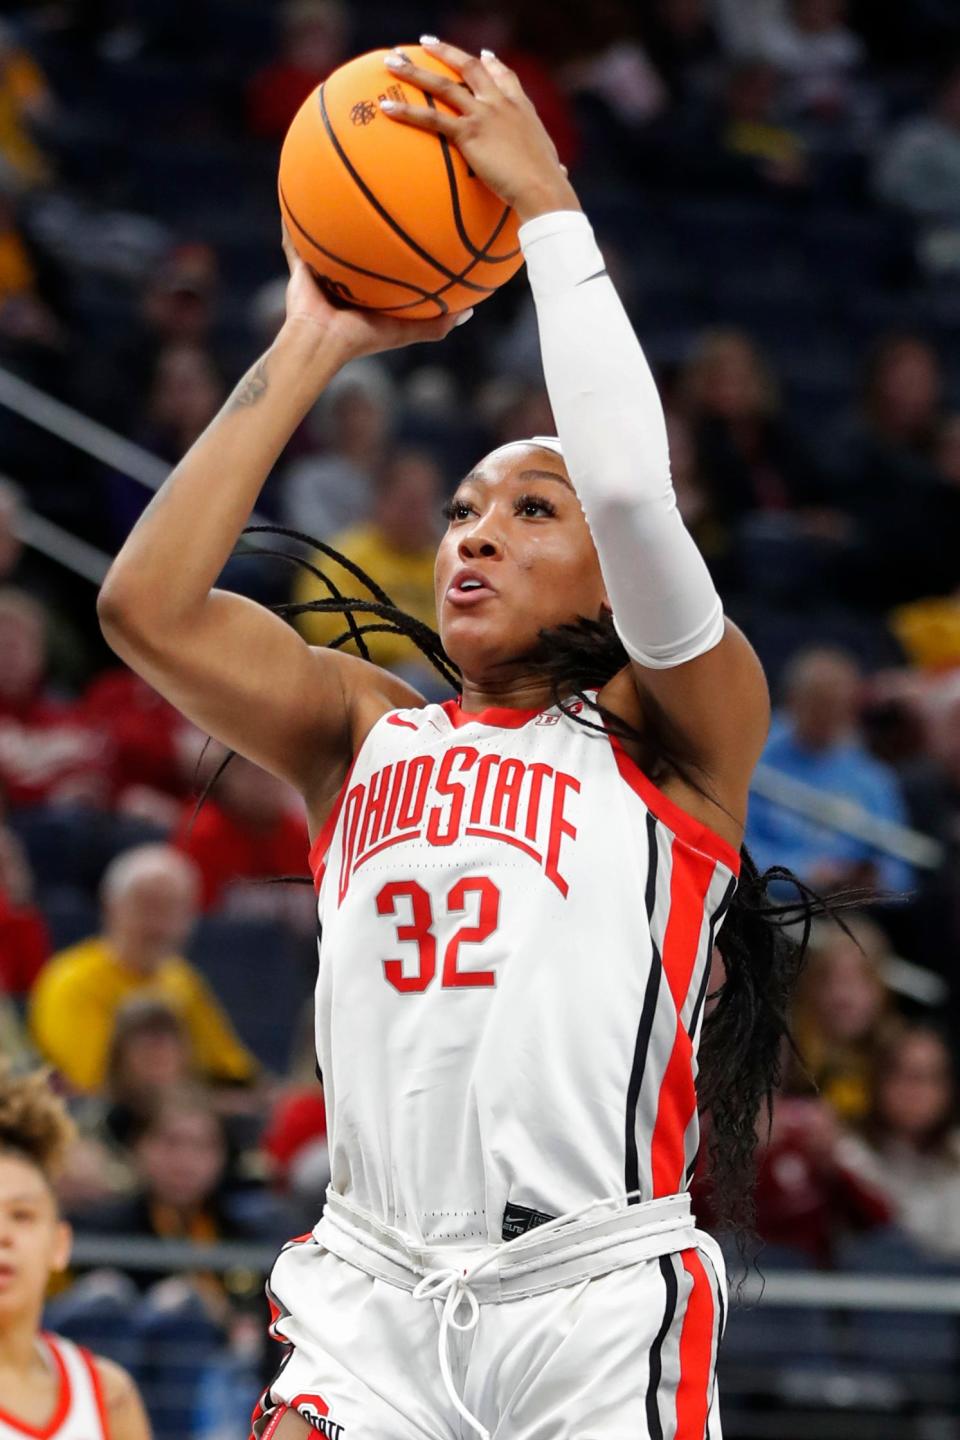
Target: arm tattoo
[{"x": 251, "y": 388}]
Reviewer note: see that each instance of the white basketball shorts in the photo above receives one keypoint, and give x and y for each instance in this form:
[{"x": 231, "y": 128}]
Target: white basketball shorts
[{"x": 628, "y": 1355}]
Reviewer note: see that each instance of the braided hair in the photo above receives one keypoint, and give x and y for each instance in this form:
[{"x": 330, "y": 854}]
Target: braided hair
[{"x": 763, "y": 941}]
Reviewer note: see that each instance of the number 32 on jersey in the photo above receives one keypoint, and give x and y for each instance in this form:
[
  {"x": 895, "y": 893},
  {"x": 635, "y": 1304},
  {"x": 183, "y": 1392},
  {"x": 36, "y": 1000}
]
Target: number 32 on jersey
[{"x": 474, "y": 896}]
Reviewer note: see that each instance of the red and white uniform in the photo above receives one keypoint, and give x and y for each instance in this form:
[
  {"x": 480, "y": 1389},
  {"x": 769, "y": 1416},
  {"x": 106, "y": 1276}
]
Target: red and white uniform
[
  {"x": 516, "y": 938},
  {"x": 80, "y": 1411},
  {"x": 516, "y": 933}
]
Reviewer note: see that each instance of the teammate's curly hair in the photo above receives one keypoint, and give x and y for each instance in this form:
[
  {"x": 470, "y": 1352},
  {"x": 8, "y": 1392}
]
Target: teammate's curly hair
[
  {"x": 746, "y": 1032},
  {"x": 34, "y": 1122}
]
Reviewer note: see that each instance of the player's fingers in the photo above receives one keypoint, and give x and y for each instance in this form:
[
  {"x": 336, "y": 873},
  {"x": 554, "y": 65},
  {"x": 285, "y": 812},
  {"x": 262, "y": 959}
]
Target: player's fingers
[
  {"x": 444, "y": 87},
  {"x": 502, "y": 76},
  {"x": 440, "y": 329},
  {"x": 422, "y": 118},
  {"x": 476, "y": 75},
  {"x": 451, "y": 55}
]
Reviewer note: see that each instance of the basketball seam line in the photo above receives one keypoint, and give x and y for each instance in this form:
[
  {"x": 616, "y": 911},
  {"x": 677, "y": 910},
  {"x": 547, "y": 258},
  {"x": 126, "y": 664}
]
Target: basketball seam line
[
  {"x": 462, "y": 231},
  {"x": 351, "y": 265},
  {"x": 434, "y": 295},
  {"x": 381, "y": 209}
]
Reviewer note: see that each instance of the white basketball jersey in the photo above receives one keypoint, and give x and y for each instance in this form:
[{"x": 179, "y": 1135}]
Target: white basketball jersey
[
  {"x": 80, "y": 1412},
  {"x": 516, "y": 933}
]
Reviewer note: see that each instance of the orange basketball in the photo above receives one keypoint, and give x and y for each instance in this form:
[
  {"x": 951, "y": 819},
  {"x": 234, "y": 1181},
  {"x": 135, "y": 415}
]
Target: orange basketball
[{"x": 389, "y": 217}]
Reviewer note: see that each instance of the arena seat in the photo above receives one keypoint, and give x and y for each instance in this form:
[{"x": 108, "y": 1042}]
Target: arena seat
[
  {"x": 788, "y": 1335},
  {"x": 909, "y": 1342},
  {"x": 73, "y": 847},
  {"x": 178, "y": 1340},
  {"x": 71, "y": 915},
  {"x": 96, "y": 1313},
  {"x": 261, "y": 974}
]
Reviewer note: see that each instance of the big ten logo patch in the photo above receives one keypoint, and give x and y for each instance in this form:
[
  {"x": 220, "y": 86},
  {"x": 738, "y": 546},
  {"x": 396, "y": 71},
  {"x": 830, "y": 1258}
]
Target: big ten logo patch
[{"x": 316, "y": 1411}]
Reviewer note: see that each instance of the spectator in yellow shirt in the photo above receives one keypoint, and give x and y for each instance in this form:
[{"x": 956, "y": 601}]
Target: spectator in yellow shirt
[
  {"x": 26, "y": 103},
  {"x": 150, "y": 897},
  {"x": 396, "y": 547}
]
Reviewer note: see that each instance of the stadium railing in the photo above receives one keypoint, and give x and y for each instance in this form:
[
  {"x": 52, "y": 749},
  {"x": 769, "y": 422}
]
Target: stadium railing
[
  {"x": 806, "y": 1353},
  {"x": 100, "y": 443}
]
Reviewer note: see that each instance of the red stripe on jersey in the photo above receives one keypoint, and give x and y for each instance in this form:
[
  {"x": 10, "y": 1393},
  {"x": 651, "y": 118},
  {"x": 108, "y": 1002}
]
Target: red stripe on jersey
[
  {"x": 696, "y": 1353},
  {"x": 318, "y": 850},
  {"x": 64, "y": 1400},
  {"x": 98, "y": 1395},
  {"x": 690, "y": 875},
  {"x": 501, "y": 716},
  {"x": 684, "y": 826}
]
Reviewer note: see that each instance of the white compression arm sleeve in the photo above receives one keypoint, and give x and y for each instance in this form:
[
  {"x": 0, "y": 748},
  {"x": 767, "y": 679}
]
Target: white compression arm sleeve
[{"x": 614, "y": 438}]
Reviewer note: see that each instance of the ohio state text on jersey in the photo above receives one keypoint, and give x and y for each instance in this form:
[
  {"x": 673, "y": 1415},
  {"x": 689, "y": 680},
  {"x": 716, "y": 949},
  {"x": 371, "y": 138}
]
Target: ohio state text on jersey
[{"x": 516, "y": 938}]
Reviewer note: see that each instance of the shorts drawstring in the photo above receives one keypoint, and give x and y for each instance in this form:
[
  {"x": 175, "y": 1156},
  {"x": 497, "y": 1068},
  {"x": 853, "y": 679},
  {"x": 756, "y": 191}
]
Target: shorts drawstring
[{"x": 453, "y": 1288}]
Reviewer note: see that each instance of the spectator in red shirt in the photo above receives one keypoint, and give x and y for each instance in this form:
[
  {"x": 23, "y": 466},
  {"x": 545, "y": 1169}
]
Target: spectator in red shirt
[
  {"x": 295, "y": 1138},
  {"x": 24, "y": 941},
  {"x": 153, "y": 749},
  {"x": 477, "y": 25},
  {"x": 313, "y": 44},
  {"x": 49, "y": 753},
  {"x": 808, "y": 1194},
  {"x": 251, "y": 828}
]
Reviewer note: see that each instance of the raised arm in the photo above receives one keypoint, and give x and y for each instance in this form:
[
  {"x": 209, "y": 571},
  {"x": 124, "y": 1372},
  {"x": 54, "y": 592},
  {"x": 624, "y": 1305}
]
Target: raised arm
[
  {"x": 698, "y": 667},
  {"x": 228, "y": 664}
]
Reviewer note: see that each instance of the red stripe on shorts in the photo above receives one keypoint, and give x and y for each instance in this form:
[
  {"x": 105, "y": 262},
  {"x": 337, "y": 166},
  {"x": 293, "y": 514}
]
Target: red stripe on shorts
[{"x": 696, "y": 1353}]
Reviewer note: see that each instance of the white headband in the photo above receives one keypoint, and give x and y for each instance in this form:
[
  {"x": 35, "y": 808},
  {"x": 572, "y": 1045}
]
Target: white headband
[{"x": 543, "y": 442}]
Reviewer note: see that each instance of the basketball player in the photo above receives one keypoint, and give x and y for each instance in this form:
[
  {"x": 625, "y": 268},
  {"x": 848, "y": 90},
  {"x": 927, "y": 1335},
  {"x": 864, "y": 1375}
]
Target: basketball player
[
  {"x": 49, "y": 1388},
  {"x": 519, "y": 890}
]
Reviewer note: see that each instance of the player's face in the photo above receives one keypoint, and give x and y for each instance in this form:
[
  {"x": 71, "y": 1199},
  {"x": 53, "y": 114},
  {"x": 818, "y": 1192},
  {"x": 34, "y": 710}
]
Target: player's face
[
  {"x": 516, "y": 526},
  {"x": 34, "y": 1241}
]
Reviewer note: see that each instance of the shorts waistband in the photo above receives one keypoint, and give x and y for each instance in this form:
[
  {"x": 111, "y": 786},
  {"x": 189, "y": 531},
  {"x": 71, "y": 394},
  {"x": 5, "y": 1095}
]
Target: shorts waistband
[{"x": 571, "y": 1248}]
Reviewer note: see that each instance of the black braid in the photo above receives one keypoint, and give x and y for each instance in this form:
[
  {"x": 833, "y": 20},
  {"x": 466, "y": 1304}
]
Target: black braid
[{"x": 744, "y": 1035}]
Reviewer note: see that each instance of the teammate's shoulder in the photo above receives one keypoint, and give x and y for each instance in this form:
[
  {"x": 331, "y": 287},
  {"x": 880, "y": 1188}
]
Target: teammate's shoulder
[
  {"x": 116, "y": 1383},
  {"x": 121, "y": 1399}
]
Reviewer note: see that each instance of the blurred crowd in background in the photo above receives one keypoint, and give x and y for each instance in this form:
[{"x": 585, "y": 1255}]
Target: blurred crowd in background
[{"x": 776, "y": 184}]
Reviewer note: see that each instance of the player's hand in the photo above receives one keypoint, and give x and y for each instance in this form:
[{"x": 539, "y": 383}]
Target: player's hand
[
  {"x": 496, "y": 128},
  {"x": 354, "y": 332}
]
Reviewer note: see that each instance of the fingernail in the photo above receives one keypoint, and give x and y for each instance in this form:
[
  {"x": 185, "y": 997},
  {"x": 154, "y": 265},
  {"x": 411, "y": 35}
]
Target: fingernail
[
  {"x": 429, "y": 40},
  {"x": 388, "y": 105},
  {"x": 462, "y": 319},
  {"x": 395, "y": 61},
  {"x": 487, "y": 55}
]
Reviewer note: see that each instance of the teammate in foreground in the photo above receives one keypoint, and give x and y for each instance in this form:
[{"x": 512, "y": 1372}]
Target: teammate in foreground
[
  {"x": 49, "y": 1388},
  {"x": 519, "y": 891}
]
